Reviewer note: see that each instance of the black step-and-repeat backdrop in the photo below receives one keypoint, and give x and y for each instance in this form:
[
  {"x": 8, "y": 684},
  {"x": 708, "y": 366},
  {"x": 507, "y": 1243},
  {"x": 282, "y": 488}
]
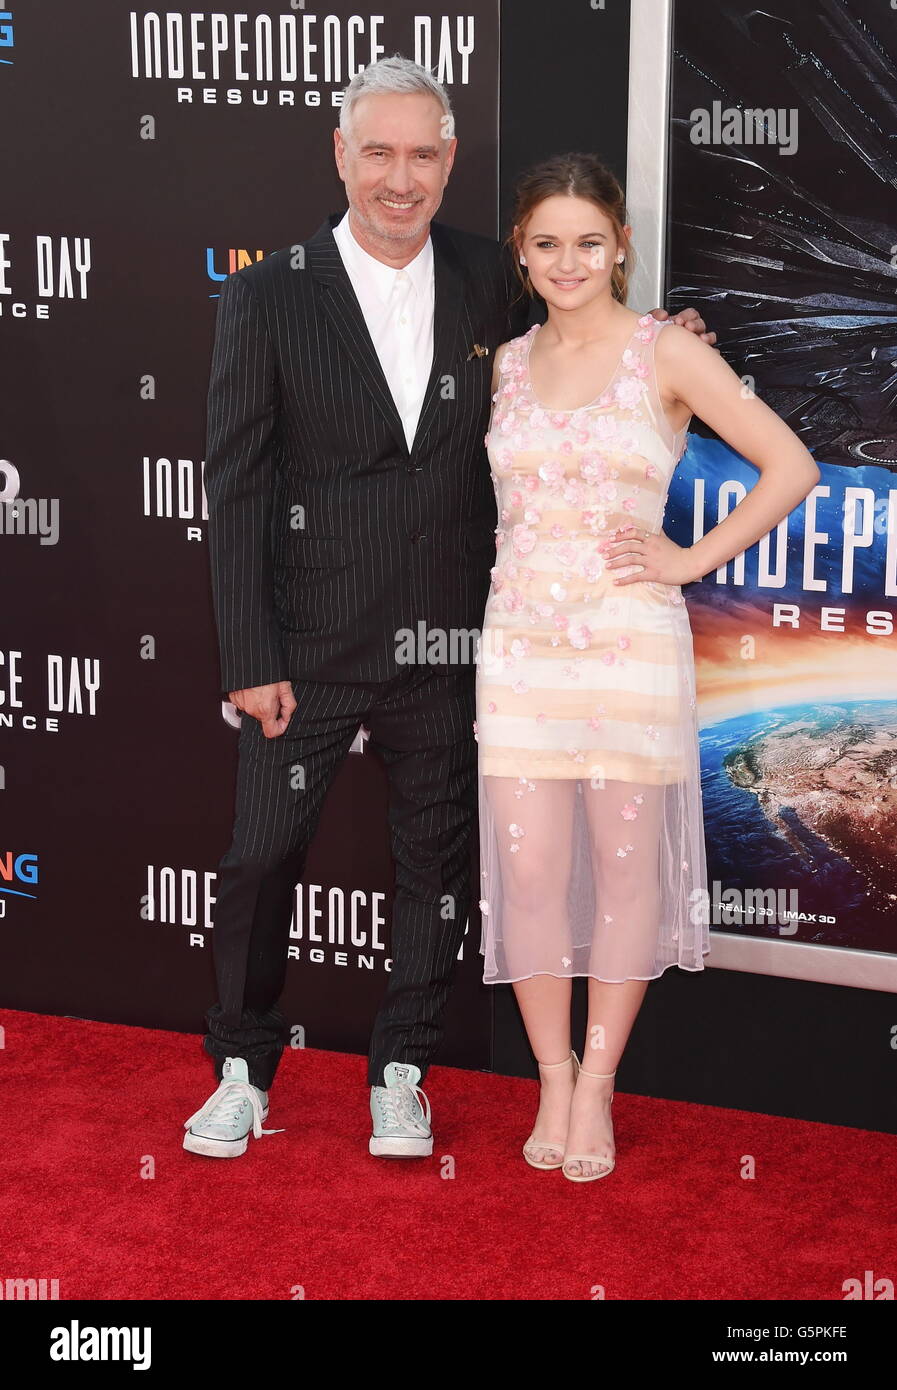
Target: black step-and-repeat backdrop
[{"x": 147, "y": 157}]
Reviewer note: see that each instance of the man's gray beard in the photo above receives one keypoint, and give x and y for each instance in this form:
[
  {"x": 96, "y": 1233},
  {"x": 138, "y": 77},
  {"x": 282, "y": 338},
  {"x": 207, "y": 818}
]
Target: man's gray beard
[{"x": 399, "y": 233}]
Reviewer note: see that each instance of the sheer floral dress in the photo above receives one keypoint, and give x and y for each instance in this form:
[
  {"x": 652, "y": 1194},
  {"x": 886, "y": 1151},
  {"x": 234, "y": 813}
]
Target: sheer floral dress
[{"x": 591, "y": 823}]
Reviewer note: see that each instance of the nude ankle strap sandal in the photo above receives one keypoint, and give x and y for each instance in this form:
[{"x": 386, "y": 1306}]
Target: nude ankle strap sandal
[
  {"x": 607, "y": 1162},
  {"x": 535, "y": 1146}
]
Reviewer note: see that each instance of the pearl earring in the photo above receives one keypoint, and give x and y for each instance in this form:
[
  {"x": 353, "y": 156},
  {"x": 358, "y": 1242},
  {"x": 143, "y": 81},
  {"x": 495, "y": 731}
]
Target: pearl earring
[
  {"x": 523, "y": 260},
  {"x": 620, "y": 259}
]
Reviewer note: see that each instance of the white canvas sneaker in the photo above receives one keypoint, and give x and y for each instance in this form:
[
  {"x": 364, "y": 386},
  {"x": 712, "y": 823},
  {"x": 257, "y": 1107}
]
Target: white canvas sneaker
[
  {"x": 220, "y": 1128},
  {"x": 401, "y": 1120}
]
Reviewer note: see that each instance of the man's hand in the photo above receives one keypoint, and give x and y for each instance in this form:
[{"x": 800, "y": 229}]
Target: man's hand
[
  {"x": 690, "y": 319},
  {"x": 271, "y": 705}
]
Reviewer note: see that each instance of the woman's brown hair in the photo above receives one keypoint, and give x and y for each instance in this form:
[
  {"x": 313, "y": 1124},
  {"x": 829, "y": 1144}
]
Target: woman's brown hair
[{"x": 578, "y": 176}]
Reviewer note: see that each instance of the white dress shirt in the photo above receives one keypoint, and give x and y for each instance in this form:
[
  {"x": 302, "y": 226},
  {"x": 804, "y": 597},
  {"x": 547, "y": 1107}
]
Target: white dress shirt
[{"x": 398, "y": 309}]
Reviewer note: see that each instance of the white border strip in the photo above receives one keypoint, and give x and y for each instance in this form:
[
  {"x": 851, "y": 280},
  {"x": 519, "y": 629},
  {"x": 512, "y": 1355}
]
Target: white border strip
[
  {"x": 647, "y": 149},
  {"x": 801, "y": 960}
]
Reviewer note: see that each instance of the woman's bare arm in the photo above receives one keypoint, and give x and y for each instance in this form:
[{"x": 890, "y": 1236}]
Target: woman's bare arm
[{"x": 690, "y": 371}]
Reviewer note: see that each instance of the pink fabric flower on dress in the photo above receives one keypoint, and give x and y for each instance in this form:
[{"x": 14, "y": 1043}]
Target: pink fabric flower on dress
[
  {"x": 551, "y": 473},
  {"x": 558, "y": 593},
  {"x": 607, "y": 492},
  {"x": 523, "y": 540},
  {"x": 532, "y": 516},
  {"x": 629, "y": 504},
  {"x": 605, "y": 427},
  {"x": 557, "y": 531},
  {"x": 593, "y": 568},
  {"x": 516, "y": 830},
  {"x": 520, "y": 646},
  {"x": 561, "y": 622},
  {"x": 592, "y": 467},
  {"x": 567, "y": 553},
  {"x": 627, "y": 393},
  {"x": 520, "y": 687},
  {"x": 515, "y": 498},
  {"x": 629, "y": 812},
  {"x": 632, "y": 361},
  {"x": 623, "y": 642},
  {"x": 608, "y": 658},
  {"x": 531, "y": 483},
  {"x": 572, "y": 493},
  {"x": 579, "y": 635},
  {"x": 513, "y": 601},
  {"x": 567, "y": 447},
  {"x": 538, "y": 418}
]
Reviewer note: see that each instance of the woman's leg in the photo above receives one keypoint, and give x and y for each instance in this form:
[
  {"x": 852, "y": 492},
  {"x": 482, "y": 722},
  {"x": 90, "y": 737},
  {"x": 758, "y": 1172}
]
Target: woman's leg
[
  {"x": 545, "y": 1005},
  {"x": 625, "y": 823},
  {"x": 535, "y": 932},
  {"x": 612, "y": 1011}
]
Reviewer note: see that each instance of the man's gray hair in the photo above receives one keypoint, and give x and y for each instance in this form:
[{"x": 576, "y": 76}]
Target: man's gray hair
[{"x": 395, "y": 74}]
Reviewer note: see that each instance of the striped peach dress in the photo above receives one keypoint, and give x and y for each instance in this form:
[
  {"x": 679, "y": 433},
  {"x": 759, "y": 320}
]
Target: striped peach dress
[{"x": 591, "y": 823}]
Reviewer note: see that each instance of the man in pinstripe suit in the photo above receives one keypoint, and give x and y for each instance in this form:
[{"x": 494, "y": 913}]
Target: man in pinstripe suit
[{"x": 350, "y": 498}]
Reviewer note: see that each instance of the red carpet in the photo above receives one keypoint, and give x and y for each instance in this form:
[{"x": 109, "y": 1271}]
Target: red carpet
[{"x": 89, "y": 1105}]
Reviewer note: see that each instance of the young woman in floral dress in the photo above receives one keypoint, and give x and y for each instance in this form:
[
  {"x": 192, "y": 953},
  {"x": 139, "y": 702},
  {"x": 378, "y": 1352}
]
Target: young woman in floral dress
[{"x": 591, "y": 826}]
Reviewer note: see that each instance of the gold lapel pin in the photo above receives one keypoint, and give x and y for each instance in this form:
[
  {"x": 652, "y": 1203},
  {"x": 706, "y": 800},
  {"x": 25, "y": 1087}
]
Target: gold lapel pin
[{"x": 478, "y": 351}]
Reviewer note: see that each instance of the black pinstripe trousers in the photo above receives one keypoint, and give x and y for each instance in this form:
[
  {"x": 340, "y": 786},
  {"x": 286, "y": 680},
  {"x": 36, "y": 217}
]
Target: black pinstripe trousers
[{"x": 421, "y": 726}]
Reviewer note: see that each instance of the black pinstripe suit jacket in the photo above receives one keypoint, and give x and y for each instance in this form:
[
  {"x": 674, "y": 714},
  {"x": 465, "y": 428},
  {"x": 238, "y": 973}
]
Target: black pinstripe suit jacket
[{"x": 326, "y": 534}]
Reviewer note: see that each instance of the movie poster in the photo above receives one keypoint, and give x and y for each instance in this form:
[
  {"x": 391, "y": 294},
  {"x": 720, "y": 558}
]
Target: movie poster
[{"x": 783, "y": 203}]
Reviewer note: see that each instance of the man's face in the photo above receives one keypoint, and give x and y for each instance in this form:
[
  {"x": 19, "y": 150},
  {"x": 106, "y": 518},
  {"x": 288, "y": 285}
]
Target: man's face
[{"x": 395, "y": 163}]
